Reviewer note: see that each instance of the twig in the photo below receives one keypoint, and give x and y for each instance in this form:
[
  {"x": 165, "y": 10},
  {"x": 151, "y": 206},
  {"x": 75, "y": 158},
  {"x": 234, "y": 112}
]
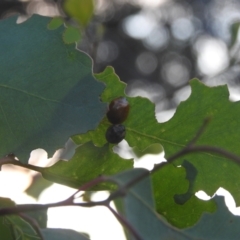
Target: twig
[
  {"x": 124, "y": 222},
  {"x": 10, "y": 160},
  {"x": 88, "y": 185},
  {"x": 181, "y": 153},
  {"x": 35, "y": 207},
  {"x": 122, "y": 190},
  {"x": 216, "y": 150},
  {"x": 189, "y": 148}
]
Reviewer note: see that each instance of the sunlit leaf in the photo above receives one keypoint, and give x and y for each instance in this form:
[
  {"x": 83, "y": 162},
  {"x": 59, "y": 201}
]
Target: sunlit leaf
[
  {"x": 141, "y": 115},
  {"x": 80, "y": 10},
  {"x": 170, "y": 184},
  {"x": 142, "y": 130},
  {"x": 222, "y": 131},
  {"x": 138, "y": 208},
  {"x": 220, "y": 225},
  {"x": 88, "y": 163},
  {"x": 38, "y": 185},
  {"x": 55, "y": 23},
  {"x": 71, "y": 35}
]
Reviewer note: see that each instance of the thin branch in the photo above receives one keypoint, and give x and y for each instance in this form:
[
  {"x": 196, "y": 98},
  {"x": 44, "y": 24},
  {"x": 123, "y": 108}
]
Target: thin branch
[
  {"x": 10, "y": 160},
  {"x": 169, "y": 160},
  {"x": 124, "y": 222},
  {"x": 189, "y": 148},
  {"x": 35, "y": 207},
  {"x": 216, "y": 150},
  {"x": 88, "y": 185},
  {"x": 122, "y": 190}
]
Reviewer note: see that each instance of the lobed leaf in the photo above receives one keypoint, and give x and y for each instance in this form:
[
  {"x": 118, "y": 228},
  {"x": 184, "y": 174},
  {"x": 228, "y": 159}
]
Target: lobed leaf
[
  {"x": 80, "y": 10},
  {"x": 220, "y": 225},
  {"x": 55, "y": 23},
  {"x": 47, "y": 90},
  {"x": 214, "y": 171},
  {"x": 138, "y": 208},
  {"x": 141, "y": 113},
  {"x": 170, "y": 187},
  {"x": 142, "y": 130},
  {"x": 71, "y": 35},
  {"x": 88, "y": 163}
]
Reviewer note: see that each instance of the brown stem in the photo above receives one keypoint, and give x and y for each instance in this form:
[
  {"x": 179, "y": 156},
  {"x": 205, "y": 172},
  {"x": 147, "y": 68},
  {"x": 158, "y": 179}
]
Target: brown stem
[
  {"x": 216, "y": 150},
  {"x": 9, "y": 160},
  {"x": 184, "y": 151},
  {"x": 122, "y": 190},
  {"x": 88, "y": 185},
  {"x": 35, "y": 207},
  {"x": 124, "y": 222}
]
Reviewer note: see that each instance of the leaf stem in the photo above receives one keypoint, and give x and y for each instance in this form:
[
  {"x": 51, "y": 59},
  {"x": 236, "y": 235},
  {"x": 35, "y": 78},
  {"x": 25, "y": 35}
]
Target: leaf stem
[
  {"x": 189, "y": 148},
  {"x": 35, "y": 207},
  {"x": 88, "y": 185},
  {"x": 200, "y": 131},
  {"x": 124, "y": 222},
  {"x": 10, "y": 160},
  {"x": 122, "y": 189}
]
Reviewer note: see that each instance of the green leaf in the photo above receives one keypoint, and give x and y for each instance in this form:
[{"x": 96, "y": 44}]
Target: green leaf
[
  {"x": 47, "y": 90},
  {"x": 88, "y": 163},
  {"x": 154, "y": 149},
  {"x": 21, "y": 229},
  {"x": 141, "y": 116},
  {"x": 169, "y": 185},
  {"x": 114, "y": 86},
  {"x": 119, "y": 206},
  {"x": 71, "y": 35},
  {"x": 5, "y": 228},
  {"x": 80, "y": 10},
  {"x": 142, "y": 130},
  {"x": 55, "y": 23},
  {"x": 221, "y": 225},
  {"x": 14, "y": 227},
  {"x": 214, "y": 171},
  {"x": 234, "y": 33},
  {"x": 39, "y": 216},
  {"x": 38, "y": 185},
  {"x": 138, "y": 208},
  {"x": 62, "y": 234}
]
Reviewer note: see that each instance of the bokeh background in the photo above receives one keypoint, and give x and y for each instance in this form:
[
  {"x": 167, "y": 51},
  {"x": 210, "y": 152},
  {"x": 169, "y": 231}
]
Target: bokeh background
[{"x": 156, "y": 47}]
